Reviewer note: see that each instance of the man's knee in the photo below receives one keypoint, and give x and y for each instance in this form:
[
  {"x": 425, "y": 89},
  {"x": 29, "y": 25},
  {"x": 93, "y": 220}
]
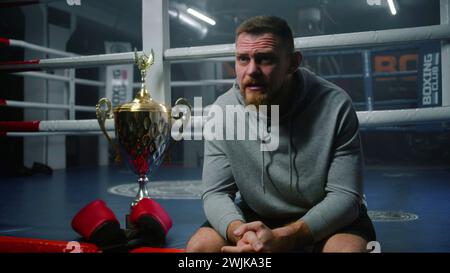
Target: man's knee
[
  {"x": 343, "y": 242},
  {"x": 205, "y": 240}
]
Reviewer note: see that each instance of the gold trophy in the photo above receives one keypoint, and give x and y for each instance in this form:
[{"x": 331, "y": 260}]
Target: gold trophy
[{"x": 142, "y": 128}]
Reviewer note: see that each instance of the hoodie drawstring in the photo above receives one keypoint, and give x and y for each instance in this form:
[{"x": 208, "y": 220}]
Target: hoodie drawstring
[
  {"x": 263, "y": 186},
  {"x": 264, "y": 138},
  {"x": 290, "y": 152},
  {"x": 290, "y": 144}
]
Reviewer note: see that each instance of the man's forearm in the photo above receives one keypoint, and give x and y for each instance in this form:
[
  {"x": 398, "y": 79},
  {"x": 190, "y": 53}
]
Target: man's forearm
[{"x": 294, "y": 235}]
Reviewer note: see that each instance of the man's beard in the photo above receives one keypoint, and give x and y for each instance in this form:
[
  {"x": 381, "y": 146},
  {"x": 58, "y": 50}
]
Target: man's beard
[
  {"x": 256, "y": 98},
  {"x": 269, "y": 96}
]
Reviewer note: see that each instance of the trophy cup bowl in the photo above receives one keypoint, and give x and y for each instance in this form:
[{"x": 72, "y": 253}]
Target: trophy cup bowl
[{"x": 142, "y": 129}]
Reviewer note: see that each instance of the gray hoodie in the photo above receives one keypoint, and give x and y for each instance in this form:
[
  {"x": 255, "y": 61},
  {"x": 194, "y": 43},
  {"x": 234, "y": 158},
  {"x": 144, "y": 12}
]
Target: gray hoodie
[{"x": 315, "y": 174}]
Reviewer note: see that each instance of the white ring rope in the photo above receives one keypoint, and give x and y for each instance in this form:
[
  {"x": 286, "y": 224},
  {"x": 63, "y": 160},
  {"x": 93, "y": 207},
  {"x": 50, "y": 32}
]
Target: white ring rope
[
  {"x": 367, "y": 119},
  {"x": 73, "y": 62},
  {"x": 368, "y": 38},
  {"x": 403, "y": 116},
  {"x": 41, "y": 75},
  {"x": 73, "y": 125},
  {"x": 48, "y": 106},
  {"x": 23, "y": 44},
  {"x": 357, "y": 39}
]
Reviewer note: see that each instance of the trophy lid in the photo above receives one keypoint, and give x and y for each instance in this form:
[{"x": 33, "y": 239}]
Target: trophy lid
[{"x": 143, "y": 100}]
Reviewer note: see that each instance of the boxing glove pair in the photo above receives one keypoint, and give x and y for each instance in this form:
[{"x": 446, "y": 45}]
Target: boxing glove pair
[{"x": 97, "y": 224}]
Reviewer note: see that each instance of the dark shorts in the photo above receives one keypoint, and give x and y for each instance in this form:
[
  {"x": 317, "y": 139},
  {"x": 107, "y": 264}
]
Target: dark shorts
[{"x": 362, "y": 226}]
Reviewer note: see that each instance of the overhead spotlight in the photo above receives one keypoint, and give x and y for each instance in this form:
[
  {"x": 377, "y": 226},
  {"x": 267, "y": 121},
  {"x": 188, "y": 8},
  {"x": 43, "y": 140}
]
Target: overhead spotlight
[
  {"x": 392, "y": 6},
  {"x": 201, "y": 16}
]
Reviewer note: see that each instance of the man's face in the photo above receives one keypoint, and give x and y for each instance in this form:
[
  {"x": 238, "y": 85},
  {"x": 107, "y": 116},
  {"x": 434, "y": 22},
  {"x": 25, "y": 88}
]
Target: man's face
[{"x": 262, "y": 66}]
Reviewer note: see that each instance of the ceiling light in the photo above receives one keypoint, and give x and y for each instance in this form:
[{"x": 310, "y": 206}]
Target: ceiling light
[
  {"x": 392, "y": 7},
  {"x": 201, "y": 16},
  {"x": 186, "y": 19}
]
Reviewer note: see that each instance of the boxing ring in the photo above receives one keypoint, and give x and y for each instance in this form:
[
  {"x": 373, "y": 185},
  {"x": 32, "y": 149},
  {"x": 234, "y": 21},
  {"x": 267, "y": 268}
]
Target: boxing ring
[{"x": 409, "y": 215}]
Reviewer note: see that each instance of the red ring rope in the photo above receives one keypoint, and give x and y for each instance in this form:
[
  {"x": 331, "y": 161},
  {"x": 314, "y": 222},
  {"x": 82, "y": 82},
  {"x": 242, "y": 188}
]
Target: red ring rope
[
  {"x": 4, "y": 41},
  {"x": 31, "y": 245},
  {"x": 19, "y": 126},
  {"x": 35, "y": 61}
]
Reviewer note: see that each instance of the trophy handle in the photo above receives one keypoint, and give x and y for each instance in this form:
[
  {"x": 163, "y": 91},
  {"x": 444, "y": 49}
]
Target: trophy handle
[{"x": 103, "y": 110}]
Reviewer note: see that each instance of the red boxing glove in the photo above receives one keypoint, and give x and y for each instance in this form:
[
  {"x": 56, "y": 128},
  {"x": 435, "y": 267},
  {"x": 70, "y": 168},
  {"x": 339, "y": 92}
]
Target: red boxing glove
[
  {"x": 151, "y": 220},
  {"x": 97, "y": 223}
]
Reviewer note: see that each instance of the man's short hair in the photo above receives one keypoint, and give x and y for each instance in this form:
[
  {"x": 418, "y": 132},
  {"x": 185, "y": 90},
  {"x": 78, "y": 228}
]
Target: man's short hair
[{"x": 268, "y": 24}]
